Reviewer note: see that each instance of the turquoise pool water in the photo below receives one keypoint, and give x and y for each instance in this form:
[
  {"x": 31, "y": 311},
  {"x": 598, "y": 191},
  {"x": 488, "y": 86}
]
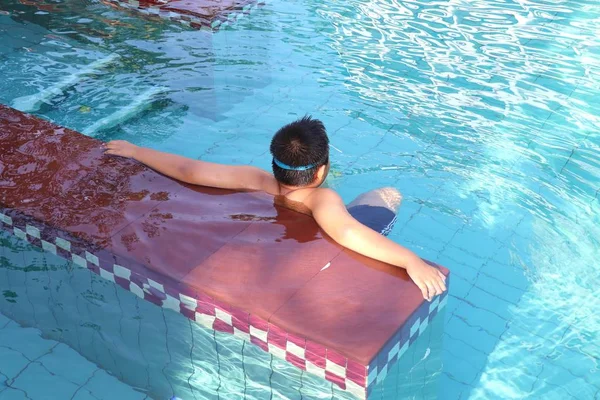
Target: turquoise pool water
[{"x": 484, "y": 114}]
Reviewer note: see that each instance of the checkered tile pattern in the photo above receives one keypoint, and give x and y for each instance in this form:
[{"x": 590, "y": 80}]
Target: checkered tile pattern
[
  {"x": 406, "y": 336},
  {"x": 312, "y": 357},
  {"x": 194, "y": 21}
]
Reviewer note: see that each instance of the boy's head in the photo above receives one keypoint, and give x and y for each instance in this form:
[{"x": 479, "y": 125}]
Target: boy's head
[{"x": 301, "y": 153}]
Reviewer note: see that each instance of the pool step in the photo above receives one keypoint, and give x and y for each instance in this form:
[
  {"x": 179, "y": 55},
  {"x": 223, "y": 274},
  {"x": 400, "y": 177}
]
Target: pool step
[
  {"x": 137, "y": 105},
  {"x": 32, "y": 103}
]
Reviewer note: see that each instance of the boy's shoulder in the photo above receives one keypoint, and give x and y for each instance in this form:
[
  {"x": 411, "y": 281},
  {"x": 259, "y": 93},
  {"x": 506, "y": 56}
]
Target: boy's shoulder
[{"x": 322, "y": 198}]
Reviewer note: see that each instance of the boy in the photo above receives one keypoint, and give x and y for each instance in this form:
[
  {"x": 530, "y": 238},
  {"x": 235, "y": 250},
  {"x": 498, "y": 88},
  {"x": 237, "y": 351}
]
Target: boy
[{"x": 300, "y": 165}]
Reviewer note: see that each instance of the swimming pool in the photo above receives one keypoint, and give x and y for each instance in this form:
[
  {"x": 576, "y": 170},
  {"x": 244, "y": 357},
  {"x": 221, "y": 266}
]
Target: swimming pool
[{"x": 484, "y": 114}]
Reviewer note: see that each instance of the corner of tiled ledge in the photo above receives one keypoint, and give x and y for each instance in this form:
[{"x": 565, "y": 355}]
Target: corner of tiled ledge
[{"x": 139, "y": 229}]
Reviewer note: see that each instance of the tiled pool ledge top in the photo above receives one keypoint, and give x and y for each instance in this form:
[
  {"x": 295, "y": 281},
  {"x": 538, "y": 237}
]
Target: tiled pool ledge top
[
  {"x": 231, "y": 261},
  {"x": 199, "y": 14}
]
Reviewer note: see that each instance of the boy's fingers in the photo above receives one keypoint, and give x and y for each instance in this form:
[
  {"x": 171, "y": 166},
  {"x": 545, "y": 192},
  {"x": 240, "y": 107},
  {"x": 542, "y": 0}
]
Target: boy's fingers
[
  {"x": 443, "y": 281},
  {"x": 442, "y": 275},
  {"x": 423, "y": 290},
  {"x": 432, "y": 290}
]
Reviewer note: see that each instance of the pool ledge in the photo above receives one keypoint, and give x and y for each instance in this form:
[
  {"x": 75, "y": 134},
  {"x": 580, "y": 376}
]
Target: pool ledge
[
  {"x": 198, "y": 14},
  {"x": 232, "y": 262}
]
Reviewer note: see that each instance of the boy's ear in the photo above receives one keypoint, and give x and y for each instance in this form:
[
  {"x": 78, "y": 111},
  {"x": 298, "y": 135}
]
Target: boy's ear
[{"x": 321, "y": 172}]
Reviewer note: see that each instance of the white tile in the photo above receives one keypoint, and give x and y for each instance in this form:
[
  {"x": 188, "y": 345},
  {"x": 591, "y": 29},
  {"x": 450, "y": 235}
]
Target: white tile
[
  {"x": 223, "y": 316},
  {"x": 355, "y": 389},
  {"x": 372, "y": 376},
  {"x": 295, "y": 350},
  {"x": 19, "y": 233},
  {"x": 78, "y": 260},
  {"x": 6, "y": 219},
  {"x": 92, "y": 258},
  {"x": 135, "y": 289},
  {"x": 107, "y": 275},
  {"x": 205, "y": 320},
  {"x": 276, "y": 351},
  {"x": 315, "y": 370},
  {"x": 241, "y": 334},
  {"x": 394, "y": 351},
  {"x": 423, "y": 326},
  {"x": 382, "y": 373},
  {"x": 172, "y": 303},
  {"x": 258, "y": 333},
  {"x": 335, "y": 369},
  {"x": 156, "y": 285},
  {"x": 122, "y": 272},
  {"x": 434, "y": 304},
  {"x": 403, "y": 349},
  {"x": 188, "y": 302},
  {"x": 49, "y": 247},
  {"x": 33, "y": 231},
  {"x": 415, "y": 327},
  {"x": 63, "y": 244},
  {"x": 443, "y": 303}
]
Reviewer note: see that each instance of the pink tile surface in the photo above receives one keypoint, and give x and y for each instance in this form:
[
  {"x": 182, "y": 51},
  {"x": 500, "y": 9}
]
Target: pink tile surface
[{"x": 354, "y": 306}]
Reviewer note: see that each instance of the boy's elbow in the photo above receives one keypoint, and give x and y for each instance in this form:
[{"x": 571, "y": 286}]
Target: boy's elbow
[
  {"x": 187, "y": 173},
  {"x": 344, "y": 235}
]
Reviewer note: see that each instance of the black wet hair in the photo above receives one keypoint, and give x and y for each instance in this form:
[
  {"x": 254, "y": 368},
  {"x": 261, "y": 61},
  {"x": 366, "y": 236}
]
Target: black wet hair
[{"x": 301, "y": 143}]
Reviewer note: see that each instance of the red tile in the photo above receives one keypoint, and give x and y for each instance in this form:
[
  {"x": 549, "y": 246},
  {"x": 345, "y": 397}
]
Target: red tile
[
  {"x": 336, "y": 357},
  {"x": 124, "y": 283},
  {"x": 359, "y": 379},
  {"x": 256, "y": 341},
  {"x": 222, "y": 326},
  {"x": 259, "y": 269},
  {"x": 40, "y": 161},
  {"x": 241, "y": 325},
  {"x": 205, "y": 308},
  {"x": 63, "y": 179},
  {"x": 181, "y": 232},
  {"x": 277, "y": 336},
  {"x": 356, "y": 368},
  {"x": 259, "y": 323},
  {"x": 352, "y": 307},
  {"x": 295, "y": 360},
  {"x": 315, "y": 353},
  {"x": 240, "y": 320},
  {"x": 338, "y": 380},
  {"x": 298, "y": 341},
  {"x": 188, "y": 313}
]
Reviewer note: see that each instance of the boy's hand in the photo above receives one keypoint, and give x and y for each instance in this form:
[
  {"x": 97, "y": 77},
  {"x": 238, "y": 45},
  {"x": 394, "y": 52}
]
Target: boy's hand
[
  {"x": 121, "y": 148},
  {"x": 429, "y": 279}
]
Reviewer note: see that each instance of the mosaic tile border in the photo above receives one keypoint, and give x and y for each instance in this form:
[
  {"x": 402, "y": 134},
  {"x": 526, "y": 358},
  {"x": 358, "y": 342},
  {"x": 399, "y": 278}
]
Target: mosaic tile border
[
  {"x": 211, "y": 313},
  {"x": 187, "y": 18},
  {"x": 398, "y": 344}
]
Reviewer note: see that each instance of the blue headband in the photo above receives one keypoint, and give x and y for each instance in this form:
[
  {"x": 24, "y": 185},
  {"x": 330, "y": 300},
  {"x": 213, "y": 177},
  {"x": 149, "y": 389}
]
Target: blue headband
[{"x": 290, "y": 168}]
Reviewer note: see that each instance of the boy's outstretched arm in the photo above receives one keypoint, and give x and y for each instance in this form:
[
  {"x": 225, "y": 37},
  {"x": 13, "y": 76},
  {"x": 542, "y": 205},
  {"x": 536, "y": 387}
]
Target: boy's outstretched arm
[
  {"x": 194, "y": 171},
  {"x": 331, "y": 214}
]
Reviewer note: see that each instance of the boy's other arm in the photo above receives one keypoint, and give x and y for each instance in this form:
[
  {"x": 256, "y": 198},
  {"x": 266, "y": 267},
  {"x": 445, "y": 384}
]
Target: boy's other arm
[
  {"x": 195, "y": 171},
  {"x": 331, "y": 214}
]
